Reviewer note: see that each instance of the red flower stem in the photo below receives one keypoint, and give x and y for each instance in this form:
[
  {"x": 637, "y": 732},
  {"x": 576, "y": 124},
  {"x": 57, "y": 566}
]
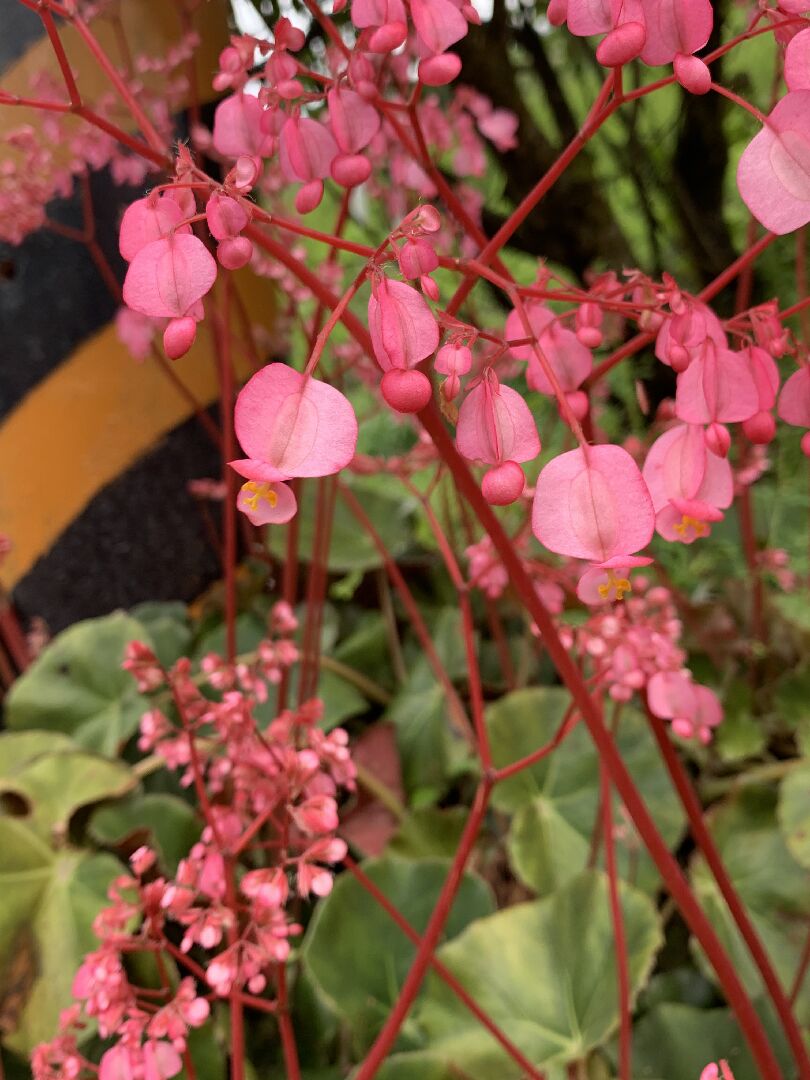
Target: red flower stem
[
  {"x": 619, "y": 936},
  {"x": 456, "y": 712},
  {"x": 148, "y": 130},
  {"x": 288, "y": 1045},
  {"x": 703, "y": 838},
  {"x": 430, "y": 939},
  {"x": 801, "y": 972},
  {"x": 667, "y": 866},
  {"x": 637, "y": 343},
  {"x": 447, "y": 977},
  {"x": 538, "y": 192},
  {"x": 467, "y": 625},
  {"x": 61, "y": 58},
  {"x": 222, "y": 343},
  {"x": 35, "y": 103}
]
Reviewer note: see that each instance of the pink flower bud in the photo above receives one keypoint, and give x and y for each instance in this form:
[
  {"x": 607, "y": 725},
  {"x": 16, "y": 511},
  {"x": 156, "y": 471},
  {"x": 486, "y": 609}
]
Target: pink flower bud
[
  {"x": 578, "y": 403},
  {"x": 406, "y": 390},
  {"x": 235, "y": 252},
  {"x": 760, "y": 428},
  {"x": 692, "y": 74},
  {"x": 805, "y": 444},
  {"x": 503, "y": 484},
  {"x": 387, "y": 38},
  {"x": 178, "y": 337},
  {"x": 429, "y": 288},
  {"x": 718, "y": 439},
  {"x": 308, "y": 198},
  {"x": 622, "y": 44},
  {"x": 453, "y": 359},
  {"x": 439, "y": 70},
  {"x": 350, "y": 170}
]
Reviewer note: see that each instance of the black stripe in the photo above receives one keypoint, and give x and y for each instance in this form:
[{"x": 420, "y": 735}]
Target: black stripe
[{"x": 141, "y": 538}]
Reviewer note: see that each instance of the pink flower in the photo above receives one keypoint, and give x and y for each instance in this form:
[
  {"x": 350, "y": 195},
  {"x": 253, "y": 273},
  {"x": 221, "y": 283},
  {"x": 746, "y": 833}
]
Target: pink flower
[
  {"x": 439, "y": 23},
  {"x": 688, "y": 484},
  {"x": 774, "y": 171},
  {"x": 403, "y": 333},
  {"x": 306, "y": 152},
  {"x": 496, "y": 426},
  {"x": 682, "y": 338},
  {"x": 570, "y": 361},
  {"x": 797, "y": 61},
  {"x": 238, "y": 128},
  {"x": 289, "y": 424},
  {"x": 794, "y": 401},
  {"x": 592, "y": 503},
  {"x": 453, "y": 360},
  {"x": 146, "y": 220},
  {"x": 168, "y": 278},
  {"x": 693, "y": 709},
  {"x": 717, "y": 387},
  {"x": 678, "y": 26}
]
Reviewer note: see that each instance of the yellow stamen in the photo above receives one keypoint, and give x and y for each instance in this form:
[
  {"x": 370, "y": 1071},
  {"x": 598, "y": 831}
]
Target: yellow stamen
[
  {"x": 686, "y": 523},
  {"x": 619, "y": 585},
  {"x": 257, "y": 493}
]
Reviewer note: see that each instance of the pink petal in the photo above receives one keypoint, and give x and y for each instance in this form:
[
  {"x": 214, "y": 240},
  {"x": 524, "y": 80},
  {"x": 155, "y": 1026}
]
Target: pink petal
[
  {"x": 570, "y": 360},
  {"x": 774, "y": 171},
  {"x": 354, "y": 121},
  {"x": 146, "y": 220},
  {"x": 671, "y": 694},
  {"x": 306, "y": 149},
  {"x": 439, "y": 23},
  {"x": 539, "y": 318},
  {"x": 586, "y": 17},
  {"x": 592, "y": 507},
  {"x": 238, "y": 127},
  {"x": 168, "y": 277},
  {"x": 765, "y": 374},
  {"x": 267, "y": 504},
  {"x": 797, "y": 61},
  {"x": 717, "y": 386},
  {"x": 297, "y": 424},
  {"x": 403, "y": 329},
  {"x": 367, "y": 13},
  {"x": 675, "y": 26},
  {"x": 495, "y": 424},
  {"x": 794, "y": 401}
]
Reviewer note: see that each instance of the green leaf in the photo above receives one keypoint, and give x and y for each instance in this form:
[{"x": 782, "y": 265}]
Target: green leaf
[
  {"x": 167, "y": 624},
  {"x": 556, "y": 801},
  {"x": 164, "y": 822},
  {"x": 429, "y": 832},
  {"x": 429, "y": 746},
  {"x": 773, "y": 887},
  {"x": 357, "y": 955},
  {"x": 545, "y": 973},
  {"x": 55, "y": 785},
  {"x": 794, "y": 813},
  {"x": 50, "y": 898},
  {"x": 676, "y": 1042},
  {"x": 17, "y": 748},
  {"x": 77, "y": 686}
]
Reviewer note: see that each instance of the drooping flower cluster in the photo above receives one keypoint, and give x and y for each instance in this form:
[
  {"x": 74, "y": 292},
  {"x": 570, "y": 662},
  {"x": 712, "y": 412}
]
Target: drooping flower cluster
[{"x": 269, "y": 802}]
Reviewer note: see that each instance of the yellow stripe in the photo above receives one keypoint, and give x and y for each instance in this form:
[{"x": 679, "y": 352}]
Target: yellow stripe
[{"x": 89, "y": 420}]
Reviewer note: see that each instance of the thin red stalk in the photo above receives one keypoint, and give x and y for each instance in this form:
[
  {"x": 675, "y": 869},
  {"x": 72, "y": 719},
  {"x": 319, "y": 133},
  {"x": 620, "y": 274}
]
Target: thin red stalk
[
  {"x": 637, "y": 343},
  {"x": 467, "y": 626},
  {"x": 430, "y": 939},
  {"x": 61, "y": 58},
  {"x": 569, "y": 722},
  {"x": 703, "y": 838},
  {"x": 456, "y": 710},
  {"x": 237, "y": 1015},
  {"x": 619, "y": 936},
  {"x": 288, "y": 1045},
  {"x": 447, "y": 977},
  {"x": 667, "y": 866},
  {"x": 139, "y": 116},
  {"x": 222, "y": 342},
  {"x": 801, "y": 972},
  {"x": 289, "y": 584}
]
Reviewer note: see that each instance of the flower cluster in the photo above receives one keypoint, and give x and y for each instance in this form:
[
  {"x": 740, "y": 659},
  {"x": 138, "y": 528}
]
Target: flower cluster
[{"x": 269, "y": 799}]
